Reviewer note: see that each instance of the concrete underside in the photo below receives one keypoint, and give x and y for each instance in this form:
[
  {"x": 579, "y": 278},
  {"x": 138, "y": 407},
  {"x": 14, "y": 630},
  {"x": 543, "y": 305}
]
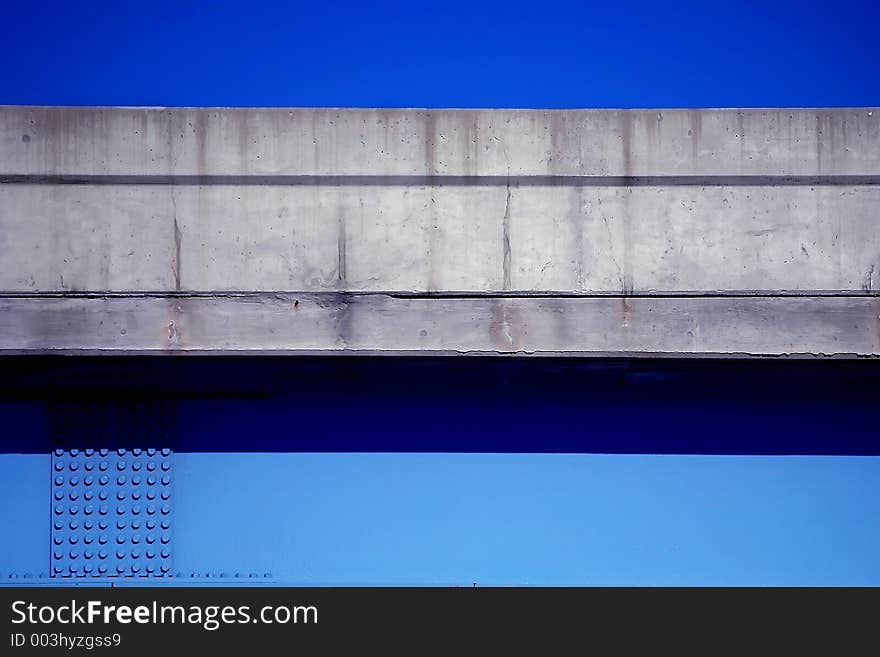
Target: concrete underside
[{"x": 673, "y": 232}]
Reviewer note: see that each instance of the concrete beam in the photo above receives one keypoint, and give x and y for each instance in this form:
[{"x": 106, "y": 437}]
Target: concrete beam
[
  {"x": 583, "y": 202},
  {"x": 334, "y": 323},
  {"x": 671, "y": 232}
]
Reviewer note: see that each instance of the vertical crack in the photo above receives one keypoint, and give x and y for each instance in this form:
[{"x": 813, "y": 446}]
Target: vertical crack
[
  {"x": 505, "y": 228},
  {"x": 175, "y": 264},
  {"x": 505, "y": 237}
]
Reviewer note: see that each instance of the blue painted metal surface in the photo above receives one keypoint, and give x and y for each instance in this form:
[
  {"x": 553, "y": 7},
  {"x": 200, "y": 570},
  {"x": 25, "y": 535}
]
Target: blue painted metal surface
[
  {"x": 111, "y": 513},
  {"x": 268, "y": 511}
]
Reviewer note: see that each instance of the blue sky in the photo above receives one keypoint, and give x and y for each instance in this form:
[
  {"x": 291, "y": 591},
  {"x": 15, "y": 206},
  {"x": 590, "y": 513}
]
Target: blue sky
[{"x": 444, "y": 54}]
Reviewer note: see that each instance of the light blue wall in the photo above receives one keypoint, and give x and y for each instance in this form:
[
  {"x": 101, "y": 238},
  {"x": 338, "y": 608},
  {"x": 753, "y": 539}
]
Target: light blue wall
[{"x": 499, "y": 519}]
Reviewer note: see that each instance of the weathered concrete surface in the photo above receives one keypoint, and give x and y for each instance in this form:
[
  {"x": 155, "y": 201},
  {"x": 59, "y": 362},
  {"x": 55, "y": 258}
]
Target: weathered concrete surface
[
  {"x": 671, "y": 232},
  {"x": 476, "y": 239},
  {"x": 382, "y": 324},
  {"x": 608, "y": 202},
  {"x": 149, "y": 141}
]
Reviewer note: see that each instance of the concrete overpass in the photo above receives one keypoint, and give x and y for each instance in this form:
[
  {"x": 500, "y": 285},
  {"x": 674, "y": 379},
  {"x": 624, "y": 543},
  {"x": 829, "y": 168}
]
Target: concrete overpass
[{"x": 732, "y": 233}]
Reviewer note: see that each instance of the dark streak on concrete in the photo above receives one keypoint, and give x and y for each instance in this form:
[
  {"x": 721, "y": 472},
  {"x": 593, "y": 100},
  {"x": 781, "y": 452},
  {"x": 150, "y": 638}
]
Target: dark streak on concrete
[
  {"x": 175, "y": 264},
  {"x": 450, "y": 180},
  {"x": 341, "y": 241},
  {"x": 626, "y": 145},
  {"x": 505, "y": 242}
]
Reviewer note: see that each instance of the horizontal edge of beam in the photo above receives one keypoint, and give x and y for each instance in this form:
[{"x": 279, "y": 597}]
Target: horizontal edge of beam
[
  {"x": 346, "y": 324},
  {"x": 441, "y": 180},
  {"x": 124, "y": 140}
]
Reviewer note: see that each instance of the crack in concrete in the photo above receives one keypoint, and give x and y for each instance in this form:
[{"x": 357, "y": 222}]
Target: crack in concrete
[{"x": 175, "y": 264}]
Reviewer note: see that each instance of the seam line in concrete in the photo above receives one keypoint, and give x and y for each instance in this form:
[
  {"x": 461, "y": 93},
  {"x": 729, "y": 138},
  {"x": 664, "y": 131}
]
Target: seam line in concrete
[{"x": 376, "y": 180}]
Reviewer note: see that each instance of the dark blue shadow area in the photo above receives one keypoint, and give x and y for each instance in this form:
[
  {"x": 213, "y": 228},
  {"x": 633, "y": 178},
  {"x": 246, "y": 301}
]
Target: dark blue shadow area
[{"x": 363, "y": 404}]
